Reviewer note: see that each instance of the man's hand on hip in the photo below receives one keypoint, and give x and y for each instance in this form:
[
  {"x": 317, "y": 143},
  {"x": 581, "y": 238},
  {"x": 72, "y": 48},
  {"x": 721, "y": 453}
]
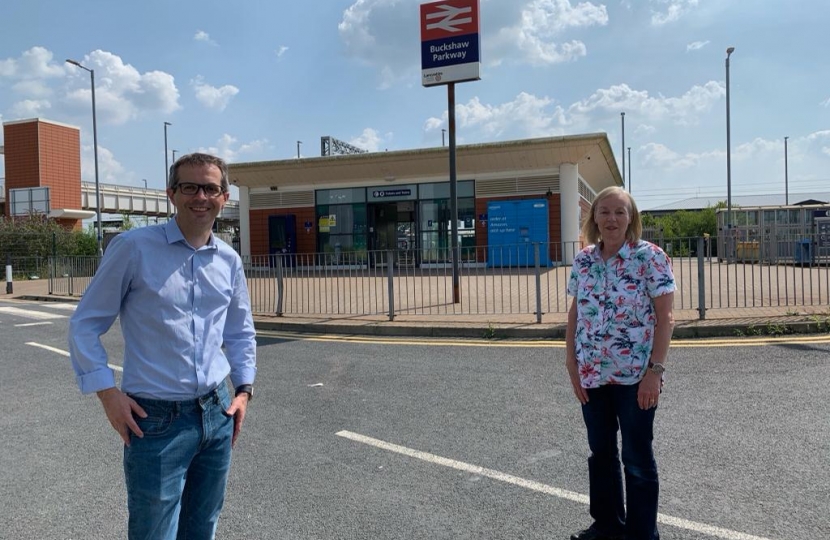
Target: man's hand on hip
[{"x": 120, "y": 408}]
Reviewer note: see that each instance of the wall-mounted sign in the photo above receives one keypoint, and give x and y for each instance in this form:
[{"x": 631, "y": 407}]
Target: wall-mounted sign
[{"x": 383, "y": 193}]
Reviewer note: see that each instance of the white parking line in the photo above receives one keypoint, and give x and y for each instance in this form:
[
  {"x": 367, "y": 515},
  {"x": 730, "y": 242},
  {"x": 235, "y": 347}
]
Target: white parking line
[
  {"x": 58, "y": 305},
  {"x": 65, "y": 353},
  {"x": 23, "y": 325},
  {"x": 30, "y": 314},
  {"x": 680, "y": 523}
]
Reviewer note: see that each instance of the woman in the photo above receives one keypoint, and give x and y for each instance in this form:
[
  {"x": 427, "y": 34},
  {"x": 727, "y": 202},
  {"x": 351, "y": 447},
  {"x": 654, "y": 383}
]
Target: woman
[{"x": 619, "y": 327}]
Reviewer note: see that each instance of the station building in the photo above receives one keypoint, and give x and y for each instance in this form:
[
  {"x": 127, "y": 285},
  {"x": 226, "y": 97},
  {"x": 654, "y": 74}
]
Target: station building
[{"x": 513, "y": 192}]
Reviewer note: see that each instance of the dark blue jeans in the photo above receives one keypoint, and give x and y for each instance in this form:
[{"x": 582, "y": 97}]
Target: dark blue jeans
[
  {"x": 613, "y": 408},
  {"x": 176, "y": 474}
]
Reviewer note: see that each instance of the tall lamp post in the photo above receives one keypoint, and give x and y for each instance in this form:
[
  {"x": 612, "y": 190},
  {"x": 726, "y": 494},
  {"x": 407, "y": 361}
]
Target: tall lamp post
[
  {"x": 95, "y": 152},
  {"x": 629, "y": 169},
  {"x": 622, "y": 119},
  {"x": 786, "y": 178},
  {"x": 729, "y": 52},
  {"x": 166, "y": 165},
  {"x": 174, "y": 155}
]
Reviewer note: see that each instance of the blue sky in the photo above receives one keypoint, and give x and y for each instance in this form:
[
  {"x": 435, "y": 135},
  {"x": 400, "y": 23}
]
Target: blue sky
[{"x": 248, "y": 79}]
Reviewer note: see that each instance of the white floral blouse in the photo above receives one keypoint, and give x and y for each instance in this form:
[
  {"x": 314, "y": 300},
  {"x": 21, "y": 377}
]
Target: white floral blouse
[{"x": 615, "y": 310}]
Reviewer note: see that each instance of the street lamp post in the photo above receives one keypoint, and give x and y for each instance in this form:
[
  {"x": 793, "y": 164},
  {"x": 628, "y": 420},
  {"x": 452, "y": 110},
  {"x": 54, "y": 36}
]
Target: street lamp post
[
  {"x": 166, "y": 165},
  {"x": 174, "y": 155},
  {"x": 443, "y": 132},
  {"x": 729, "y": 52},
  {"x": 622, "y": 117},
  {"x": 95, "y": 153},
  {"x": 298, "y": 148},
  {"x": 629, "y": 169},
  {"x": 786, "y": 176},
  {"x": 145, "y": 183}
]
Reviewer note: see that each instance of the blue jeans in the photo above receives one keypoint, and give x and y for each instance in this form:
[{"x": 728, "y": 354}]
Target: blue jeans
[
  {"x": 611, "y": 408},
  {"x": 176, "y": 474}
]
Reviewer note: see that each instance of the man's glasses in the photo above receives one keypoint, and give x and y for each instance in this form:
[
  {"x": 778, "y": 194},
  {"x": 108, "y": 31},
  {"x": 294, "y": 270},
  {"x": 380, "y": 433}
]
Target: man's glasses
[{"x": 211, "y": 190}]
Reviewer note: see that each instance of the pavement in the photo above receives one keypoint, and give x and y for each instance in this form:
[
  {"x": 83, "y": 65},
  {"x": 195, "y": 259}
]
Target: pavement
[{"x": 767, "y": 321}]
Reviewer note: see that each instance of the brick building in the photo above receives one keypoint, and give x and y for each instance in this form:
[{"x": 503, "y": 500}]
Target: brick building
[{"x": 43, "y": 170}]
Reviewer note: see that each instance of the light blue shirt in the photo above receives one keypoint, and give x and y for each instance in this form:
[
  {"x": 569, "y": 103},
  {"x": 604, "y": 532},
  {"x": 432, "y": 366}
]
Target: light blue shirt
[{"x": 177, "y": 305}]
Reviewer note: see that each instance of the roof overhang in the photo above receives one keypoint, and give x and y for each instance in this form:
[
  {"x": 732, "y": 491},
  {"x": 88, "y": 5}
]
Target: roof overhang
[
  {"x": 68, "y": 213},
  {"x": 592, "y": 153}
]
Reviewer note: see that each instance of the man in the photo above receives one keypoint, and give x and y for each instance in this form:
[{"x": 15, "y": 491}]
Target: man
[{"x": 181, "y": 295}]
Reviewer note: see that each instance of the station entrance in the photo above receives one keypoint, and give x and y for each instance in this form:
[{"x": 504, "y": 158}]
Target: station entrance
[{"x": 393, "y": 226}]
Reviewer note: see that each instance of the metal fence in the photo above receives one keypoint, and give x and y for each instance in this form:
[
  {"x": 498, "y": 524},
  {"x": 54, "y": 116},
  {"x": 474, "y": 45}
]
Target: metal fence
[{"x": 526, "y": 279}]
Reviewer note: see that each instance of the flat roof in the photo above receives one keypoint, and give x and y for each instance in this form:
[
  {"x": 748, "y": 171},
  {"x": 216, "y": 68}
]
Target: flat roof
[
  {"x": 43, "y": 120},
  {"x": 592, "y": 152}
]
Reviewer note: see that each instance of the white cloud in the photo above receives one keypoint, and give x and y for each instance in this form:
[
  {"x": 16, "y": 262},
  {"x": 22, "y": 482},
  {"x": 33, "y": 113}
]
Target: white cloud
[
  {"x": 659, "y": 155},
  {"x": 31, "y": 72},
  {"x": 682, "y": 110},
  {"x": 696, "y": 45},
  {"x": 229, "y": 149},
  {"x": 212, "y": 97},
  {"x": 110, "y": 170},
  {"x": 525, "y": 116},
  {"x": 122, "y": 93},
  {"x": 539, "y": 23},
  {"x": 29, "y": 108},
  {"x": 825, "y": 103},
  {"x": 205, "y": 37},
  {"x": 671, "y": 10},
  {"x": 281, "y": 51},
  {"x": 32, "y": 88},
  {"x": 369, "y": 140}
]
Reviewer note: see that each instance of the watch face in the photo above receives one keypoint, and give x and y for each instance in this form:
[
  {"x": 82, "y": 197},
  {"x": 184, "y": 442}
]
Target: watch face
[{"x": 658, "y": 368}]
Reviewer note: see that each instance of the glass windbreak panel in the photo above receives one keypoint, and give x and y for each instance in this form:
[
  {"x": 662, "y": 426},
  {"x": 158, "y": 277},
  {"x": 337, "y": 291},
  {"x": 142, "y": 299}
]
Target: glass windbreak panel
[
  {"x": 436, "y": 228},
  {"x": 769, "y": 217},
  {"x": 342, "y": 228}
]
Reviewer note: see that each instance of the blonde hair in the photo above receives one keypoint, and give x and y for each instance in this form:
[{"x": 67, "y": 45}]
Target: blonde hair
[{"x": 590, "y": 230}]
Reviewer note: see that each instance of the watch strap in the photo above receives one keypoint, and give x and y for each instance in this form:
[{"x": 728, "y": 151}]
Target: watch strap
[{"x": 247, "y": 389}]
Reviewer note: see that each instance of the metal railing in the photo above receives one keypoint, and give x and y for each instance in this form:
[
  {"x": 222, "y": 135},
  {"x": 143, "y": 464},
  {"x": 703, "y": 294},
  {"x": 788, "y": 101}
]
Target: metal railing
[{"x": 526, "y": 279}]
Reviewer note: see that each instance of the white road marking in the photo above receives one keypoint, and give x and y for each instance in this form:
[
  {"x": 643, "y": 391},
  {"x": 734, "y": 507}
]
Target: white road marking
[
  {"x": 23, "y": 325},
  {"x": 65, "y": 353},
  {"x": 60, "y": 305},
  {"x": 30, "y": 314},
  {"x": 681, "y": 523}
]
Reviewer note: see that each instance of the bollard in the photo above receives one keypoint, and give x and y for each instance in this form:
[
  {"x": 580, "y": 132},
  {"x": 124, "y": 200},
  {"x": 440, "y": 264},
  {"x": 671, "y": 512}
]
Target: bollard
[
  {"x": 9, "y": 282},
  {"x": 538, "y": 283},
  {"x": 701, "y": 281}
]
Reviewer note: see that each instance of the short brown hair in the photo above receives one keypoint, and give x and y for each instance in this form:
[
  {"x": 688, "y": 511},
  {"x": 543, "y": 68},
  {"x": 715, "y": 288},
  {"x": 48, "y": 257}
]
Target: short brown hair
[
  {"x": 590, "y": 231},
  {"x": 196, "y": 160}
]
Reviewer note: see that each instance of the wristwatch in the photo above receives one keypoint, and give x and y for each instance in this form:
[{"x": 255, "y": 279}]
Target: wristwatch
[
  {"x": 657, "y": 367},
  {"x": 246, "y": 389}
]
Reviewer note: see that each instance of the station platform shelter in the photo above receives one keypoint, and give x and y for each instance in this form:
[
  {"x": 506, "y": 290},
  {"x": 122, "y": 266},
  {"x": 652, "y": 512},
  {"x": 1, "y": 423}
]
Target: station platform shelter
[{"x": 512, "y": 192}]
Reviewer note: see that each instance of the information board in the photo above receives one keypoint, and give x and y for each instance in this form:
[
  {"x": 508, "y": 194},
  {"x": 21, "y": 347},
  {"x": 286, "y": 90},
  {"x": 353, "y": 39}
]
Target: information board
[{"x": 513, "y": 227}]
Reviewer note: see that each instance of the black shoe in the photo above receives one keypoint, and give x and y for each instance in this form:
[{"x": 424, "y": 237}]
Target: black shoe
[{"x": 592, "y": 534}]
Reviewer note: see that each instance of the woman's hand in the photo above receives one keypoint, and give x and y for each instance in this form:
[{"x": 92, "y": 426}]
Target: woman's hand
[
  {"x": 573, "y": 373},
  {"x": 648, "y": 393}
]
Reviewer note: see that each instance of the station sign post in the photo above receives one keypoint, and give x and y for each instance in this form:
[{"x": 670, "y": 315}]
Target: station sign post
[{"x": 451, "y": 53}]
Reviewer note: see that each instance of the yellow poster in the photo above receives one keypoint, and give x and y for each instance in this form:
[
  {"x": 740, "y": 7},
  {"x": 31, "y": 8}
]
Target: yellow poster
[{"x": 324, "y": 224}]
